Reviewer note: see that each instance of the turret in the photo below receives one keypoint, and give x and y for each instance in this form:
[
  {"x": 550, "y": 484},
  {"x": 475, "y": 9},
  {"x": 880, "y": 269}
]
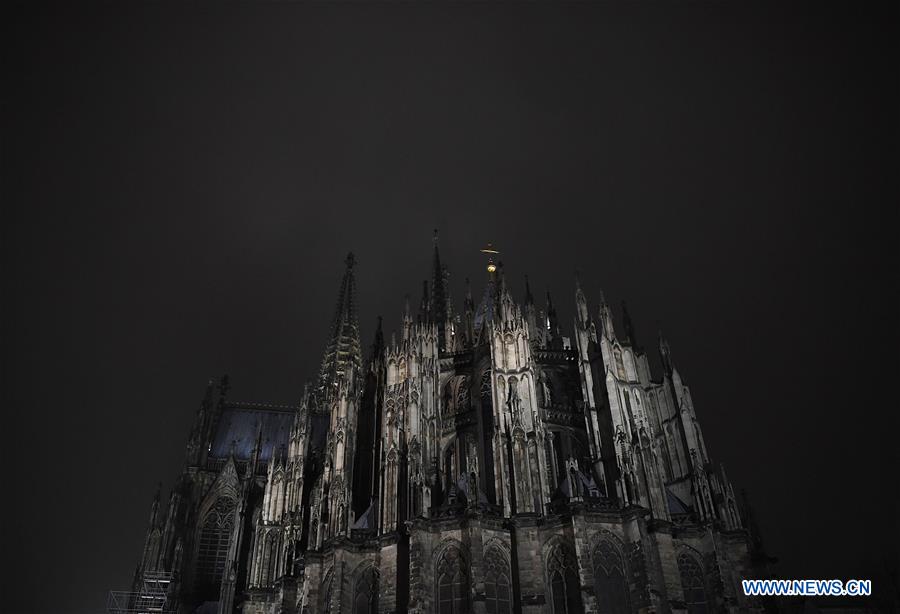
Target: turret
[
  {"x": 154, "y": 507},
  {"x": 469, "y": 308},
  {"x": 424, "y": 305},
  {"x": 531, "y": 319},
  {"x": 340, "y": 394},
  {"x": 606, "y": 320},
  {"x": 581, "y": 308},
  {"x": 552, "y": 324},
  {"x": 342, "y": 351},
  {"x": 665, "y": 355},
  {"x": 506, "y": 306},
  {"x": 407, "y": 319},
  {"x": 439, "y": 300},
  {"x": 628, "y": 327}
]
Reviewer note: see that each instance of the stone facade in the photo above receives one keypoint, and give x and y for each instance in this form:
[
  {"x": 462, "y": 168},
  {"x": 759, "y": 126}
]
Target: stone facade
[{"x": 479, "y": 462}]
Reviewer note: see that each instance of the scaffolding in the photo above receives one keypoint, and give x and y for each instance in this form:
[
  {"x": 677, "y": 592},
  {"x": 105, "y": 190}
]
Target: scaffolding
[{"x": 152, "y": 598}]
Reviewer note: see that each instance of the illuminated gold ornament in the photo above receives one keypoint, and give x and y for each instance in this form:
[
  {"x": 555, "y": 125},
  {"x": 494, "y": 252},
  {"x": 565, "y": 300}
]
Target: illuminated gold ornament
[{"x": 491, "y": 267}]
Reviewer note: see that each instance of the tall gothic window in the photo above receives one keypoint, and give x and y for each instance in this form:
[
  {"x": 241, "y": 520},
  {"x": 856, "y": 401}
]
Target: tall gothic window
[
  {"x": 498, "y": 597},
  {"x": 562, "y": 570},
  {"x": 452, "y": 583},
  {"x": 609, "y": 579},
  {"x": 692, "y": 584},
  {"x": 215, "y": 536},
  {"x": 365, "y": 600}
]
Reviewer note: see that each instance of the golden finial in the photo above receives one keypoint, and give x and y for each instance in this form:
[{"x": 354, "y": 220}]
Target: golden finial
[{"x": 490, "y": 251}]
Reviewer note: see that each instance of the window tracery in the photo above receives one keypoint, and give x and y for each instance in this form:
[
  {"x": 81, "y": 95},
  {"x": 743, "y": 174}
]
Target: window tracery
[
  {"x": 609, "y": 579},
  {"x": 562, "y": 571},
  {"x": 692, "y": 584},
  {"x": 214, "y": 539},
  {"x": 498, "y": 596},
  {"x": 452, "y": 583}
]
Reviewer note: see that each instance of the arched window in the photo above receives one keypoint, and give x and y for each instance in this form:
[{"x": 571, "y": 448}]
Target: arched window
[
  {"x": 365, "y": 600},
  {"x": 562, "y": 571},
  {"x": 692, "y": 584},
  {"x": 498, "y": 596},
  {"x": 215, "y": 536},
  {"x": 609, "y": 579},
  {"x": 452, "y": 583},
  {"x": 270, "y": 558}
]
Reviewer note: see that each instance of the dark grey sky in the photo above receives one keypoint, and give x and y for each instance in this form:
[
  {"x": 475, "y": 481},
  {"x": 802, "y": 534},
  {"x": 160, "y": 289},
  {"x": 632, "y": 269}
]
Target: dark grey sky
[{"x": 180, "y": 186}]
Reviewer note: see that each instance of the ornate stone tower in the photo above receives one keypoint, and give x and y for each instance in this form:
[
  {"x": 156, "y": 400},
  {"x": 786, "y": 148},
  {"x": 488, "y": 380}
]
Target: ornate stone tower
[{"x": 486, "y": 462}]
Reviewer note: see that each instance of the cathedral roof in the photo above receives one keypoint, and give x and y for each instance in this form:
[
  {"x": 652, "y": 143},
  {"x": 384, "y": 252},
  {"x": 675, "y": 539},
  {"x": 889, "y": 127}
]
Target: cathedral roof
[
  {"x": 676, "y": 505},
  {"x": 239, "y": 423}
]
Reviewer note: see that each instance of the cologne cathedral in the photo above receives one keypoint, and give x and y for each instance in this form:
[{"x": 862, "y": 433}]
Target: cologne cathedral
[{"x": 488, "y": 459}]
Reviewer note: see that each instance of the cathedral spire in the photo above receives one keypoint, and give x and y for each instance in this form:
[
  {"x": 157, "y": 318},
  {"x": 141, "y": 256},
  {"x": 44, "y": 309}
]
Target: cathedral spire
[
  {"x": 407, "y": 320},
  {"x": 154, "y": 507},
  {"x": 424, "y": 305},
  {"x": 531, "y": 319},
  {"x": 665, "y": 354},
  {"x": 580, "y": 302},
  {"x": 343, "y": 349},
  {"x": 628, "y": 326},
  {"x": 378, "y": 346},
  {"x": 552, "y": 320},
  {"x": 606, "y": 321},
  {"x": 469, "y": 302},
  {"x": 439, "y": 307},
  {"x": 506, "y": 304}
]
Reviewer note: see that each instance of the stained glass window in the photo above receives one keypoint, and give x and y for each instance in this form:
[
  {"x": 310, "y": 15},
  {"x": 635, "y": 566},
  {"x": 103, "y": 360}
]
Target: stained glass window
[
  {"x": 609, "y": 579},
  {"x": 565, "y": 594},
  {"x": 498, "y": 597},
  {"x": 366, "y": 600},
  {"x": 215, "y": 536},
  {"x": 452, "y": 583},
  {"x": 692, "y": 584}
]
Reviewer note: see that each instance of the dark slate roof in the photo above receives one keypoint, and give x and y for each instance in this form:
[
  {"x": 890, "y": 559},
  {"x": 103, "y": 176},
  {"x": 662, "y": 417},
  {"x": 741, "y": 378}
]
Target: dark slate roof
[
  {"x": 239, "y": 422},
  {"x": 676, "y": 505}
]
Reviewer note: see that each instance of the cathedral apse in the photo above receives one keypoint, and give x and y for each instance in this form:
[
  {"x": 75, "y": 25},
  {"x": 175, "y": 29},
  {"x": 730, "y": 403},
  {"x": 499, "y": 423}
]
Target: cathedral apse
[{"x": 484, "y": 459}]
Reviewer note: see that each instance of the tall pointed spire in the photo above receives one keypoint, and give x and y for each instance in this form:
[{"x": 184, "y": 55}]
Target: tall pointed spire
[
  {"x": 628, "y": 325},
  {"x": 469, "y": 301},
  {"x": 531, "y": 319},
  {"x": 581, "y": 308},
  {"x": 439, "y": 310},
  {"x": 424, "y": 305},
  {"x": 506, "y": 304},
  {"x": 378, "y": 346},
  {"x": 552, "y": 324},
  {"x": 343, "y": 349},
  {"x": 407, "y": 320},
  {"x": 665, "y": 354}
]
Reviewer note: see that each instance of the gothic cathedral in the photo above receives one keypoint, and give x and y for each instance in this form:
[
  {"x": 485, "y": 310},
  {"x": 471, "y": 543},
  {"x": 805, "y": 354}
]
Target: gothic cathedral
[{"x": 482, "y": 461}]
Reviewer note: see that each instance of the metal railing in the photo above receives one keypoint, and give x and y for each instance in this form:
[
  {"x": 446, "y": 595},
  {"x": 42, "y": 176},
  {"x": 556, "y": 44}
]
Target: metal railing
[{"x": 152, "y": 598}]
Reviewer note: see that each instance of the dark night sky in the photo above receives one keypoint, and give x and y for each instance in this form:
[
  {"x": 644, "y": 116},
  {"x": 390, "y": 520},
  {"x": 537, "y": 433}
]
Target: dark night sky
[{"x": 180, "y": 187}]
